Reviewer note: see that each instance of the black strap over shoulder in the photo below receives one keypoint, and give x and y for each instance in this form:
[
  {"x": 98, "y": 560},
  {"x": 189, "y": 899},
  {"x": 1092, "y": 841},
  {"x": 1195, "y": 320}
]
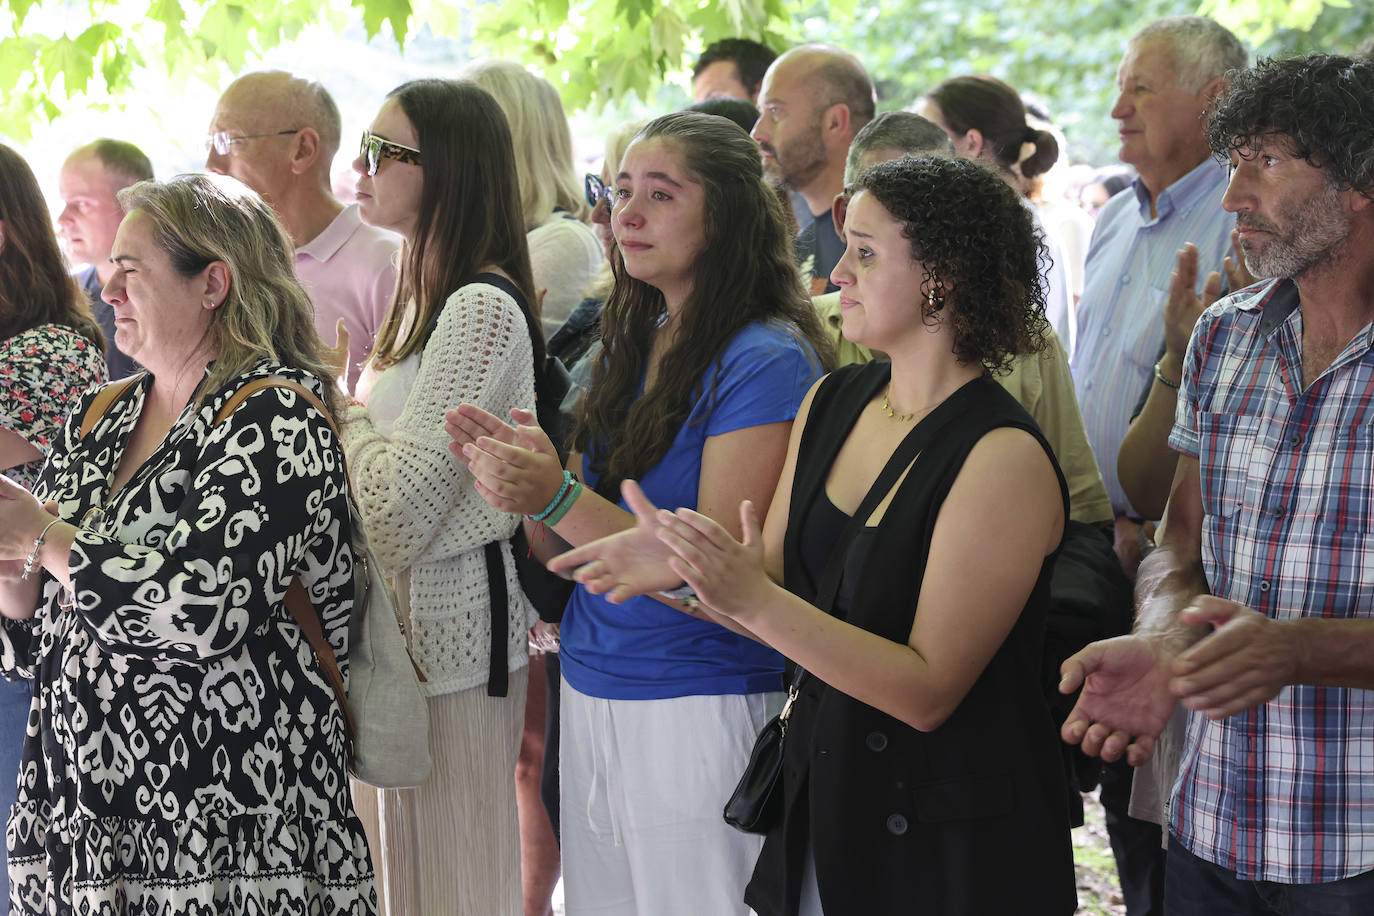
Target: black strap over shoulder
[{"x": 491, "y": 279}]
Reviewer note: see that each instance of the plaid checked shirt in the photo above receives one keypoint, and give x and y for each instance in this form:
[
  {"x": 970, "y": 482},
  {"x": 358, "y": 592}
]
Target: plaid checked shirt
[{"x": 1284, "y": 792}]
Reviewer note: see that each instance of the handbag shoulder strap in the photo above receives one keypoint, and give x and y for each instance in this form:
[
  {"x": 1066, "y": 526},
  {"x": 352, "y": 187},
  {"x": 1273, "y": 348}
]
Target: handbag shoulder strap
[
  {"x": 308, "y": 619},
  {"x": 297, "y": 600},
  {"x": 102, "y": 402},
  {"x": 277, "y": 381},
  {"x": 274, "y": 381}
]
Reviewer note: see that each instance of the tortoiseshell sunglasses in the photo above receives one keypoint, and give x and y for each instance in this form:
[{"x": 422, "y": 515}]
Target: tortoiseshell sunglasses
[{"x": 374, "y": 149}]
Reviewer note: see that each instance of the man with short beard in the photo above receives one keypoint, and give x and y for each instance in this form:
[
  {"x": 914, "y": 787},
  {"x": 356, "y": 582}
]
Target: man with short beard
[
  {"x": 1257, "y": 609},
  {"x": 814, "y": 99}
]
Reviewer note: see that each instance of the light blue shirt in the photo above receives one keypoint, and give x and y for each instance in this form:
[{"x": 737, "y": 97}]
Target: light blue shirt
[{"x": 1126, "y": 282}]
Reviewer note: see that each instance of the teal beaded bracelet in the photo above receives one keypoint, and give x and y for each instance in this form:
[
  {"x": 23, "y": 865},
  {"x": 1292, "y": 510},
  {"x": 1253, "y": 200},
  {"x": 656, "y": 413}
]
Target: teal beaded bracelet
[
  {"x": 573, "y": 492},
  {"x": 553, "y": 504}
]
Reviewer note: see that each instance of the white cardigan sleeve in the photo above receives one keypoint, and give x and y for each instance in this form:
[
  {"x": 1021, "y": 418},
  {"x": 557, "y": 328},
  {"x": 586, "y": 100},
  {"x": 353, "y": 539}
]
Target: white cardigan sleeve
[{"x": 410, "y": 488}]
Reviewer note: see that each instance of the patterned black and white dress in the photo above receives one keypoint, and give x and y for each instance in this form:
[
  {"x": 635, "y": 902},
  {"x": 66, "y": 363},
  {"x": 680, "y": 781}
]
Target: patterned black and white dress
[{"x": 185, "y": 755}]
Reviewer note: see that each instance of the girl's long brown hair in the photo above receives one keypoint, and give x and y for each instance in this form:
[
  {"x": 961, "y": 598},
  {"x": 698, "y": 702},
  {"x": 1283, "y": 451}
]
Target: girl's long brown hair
[{"x": 746, "y": 273}]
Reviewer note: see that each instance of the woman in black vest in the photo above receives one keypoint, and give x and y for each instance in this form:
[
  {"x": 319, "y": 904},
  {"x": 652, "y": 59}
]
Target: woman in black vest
[{"x": 921, "y": 771}]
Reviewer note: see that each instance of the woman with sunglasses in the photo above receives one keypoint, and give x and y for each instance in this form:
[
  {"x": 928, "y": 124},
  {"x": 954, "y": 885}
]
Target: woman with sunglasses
[
  {"x": 709, "y": 344},
  {"x": 437, "y": 167}
]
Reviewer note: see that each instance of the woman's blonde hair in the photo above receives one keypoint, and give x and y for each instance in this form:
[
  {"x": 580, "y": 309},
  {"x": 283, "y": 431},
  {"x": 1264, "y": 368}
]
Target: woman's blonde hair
[
  {"x": 200, "y": 219},
  {"x": 543, "y": 143}
]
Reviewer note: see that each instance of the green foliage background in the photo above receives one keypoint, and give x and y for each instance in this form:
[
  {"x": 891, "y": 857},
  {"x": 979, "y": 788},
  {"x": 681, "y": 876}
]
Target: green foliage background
[
  {"x": 56, "y": 53},
  {"x": 1065, "y": 51}
]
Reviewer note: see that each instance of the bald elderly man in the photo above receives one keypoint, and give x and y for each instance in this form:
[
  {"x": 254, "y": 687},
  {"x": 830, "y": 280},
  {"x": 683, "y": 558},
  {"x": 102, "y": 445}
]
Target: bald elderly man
[{"x": 278, "y": 134}]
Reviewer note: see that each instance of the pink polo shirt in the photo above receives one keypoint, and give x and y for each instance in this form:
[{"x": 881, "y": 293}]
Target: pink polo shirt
[{"x": 349, "y": 270}]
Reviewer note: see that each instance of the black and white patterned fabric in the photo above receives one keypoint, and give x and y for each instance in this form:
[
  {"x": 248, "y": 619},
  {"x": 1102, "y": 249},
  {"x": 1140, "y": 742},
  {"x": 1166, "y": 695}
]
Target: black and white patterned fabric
[{"x": 185, "y": 755}]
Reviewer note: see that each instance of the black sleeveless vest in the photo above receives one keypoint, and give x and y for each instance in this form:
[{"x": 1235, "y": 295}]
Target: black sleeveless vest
[{"x": 969, "y": 819}]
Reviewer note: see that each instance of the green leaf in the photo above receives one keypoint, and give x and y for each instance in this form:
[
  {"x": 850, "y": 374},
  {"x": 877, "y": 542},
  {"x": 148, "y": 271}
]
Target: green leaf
[
  {"x": 375, "y": 12},
  {"x": 171, "y": 15},
  {"x": 94, "y": 39},
  {"x": 64, "y": 56},
  {"x": 117, "y": 71},
  {"x": 16, "y": 62},
  {"x": 668, "y": 33},
  {"x": 19, "y": 9},
  {"x": 227, "y": 34}
]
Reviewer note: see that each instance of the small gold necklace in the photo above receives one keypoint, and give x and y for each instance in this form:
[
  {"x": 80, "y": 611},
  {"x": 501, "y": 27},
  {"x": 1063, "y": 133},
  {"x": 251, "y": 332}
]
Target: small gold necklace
[{"x": 886, "y": 408}]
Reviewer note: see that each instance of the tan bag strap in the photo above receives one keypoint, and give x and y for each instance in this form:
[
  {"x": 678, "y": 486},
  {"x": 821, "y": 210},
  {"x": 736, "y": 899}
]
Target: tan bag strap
[
  {"x": 276, "y": 381},
  {"x": 303, "y": 610},
  {"x": 297, "y": 600},
  {"x": 102, "y": 402}
]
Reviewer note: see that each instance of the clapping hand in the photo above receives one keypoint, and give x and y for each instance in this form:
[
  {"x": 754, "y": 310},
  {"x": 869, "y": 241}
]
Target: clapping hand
[
  {"x": 728, "y": 575},
  {"x": 1126, "y": 701},
  {"x": 1183, "y": 307},
  {"x": 1245, "y": 661},
  {"x": 628, "y": 563},
  {"x": 516, "y": 467}
]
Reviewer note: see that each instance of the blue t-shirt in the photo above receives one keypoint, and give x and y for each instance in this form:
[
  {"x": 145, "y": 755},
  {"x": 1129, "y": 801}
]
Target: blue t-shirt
[{"x": 643, "y": 649}]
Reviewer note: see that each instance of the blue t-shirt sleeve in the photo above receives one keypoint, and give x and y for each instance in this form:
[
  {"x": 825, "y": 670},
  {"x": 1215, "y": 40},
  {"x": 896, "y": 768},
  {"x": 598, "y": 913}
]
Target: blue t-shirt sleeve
[{"x": 763, "y": 377}]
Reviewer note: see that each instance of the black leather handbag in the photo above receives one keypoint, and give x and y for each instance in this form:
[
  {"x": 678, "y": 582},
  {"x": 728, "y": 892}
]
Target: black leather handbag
[{"x": 756, "y": 804}]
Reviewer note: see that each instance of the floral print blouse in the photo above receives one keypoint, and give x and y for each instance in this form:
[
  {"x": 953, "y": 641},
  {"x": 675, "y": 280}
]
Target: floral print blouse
[{"x": 42, "y": 372}]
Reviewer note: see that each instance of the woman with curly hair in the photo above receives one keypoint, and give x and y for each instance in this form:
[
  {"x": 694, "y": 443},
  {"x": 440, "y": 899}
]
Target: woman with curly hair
[
  {"x": 709, "y": 345},
  {"x": 921, "y": 763}
]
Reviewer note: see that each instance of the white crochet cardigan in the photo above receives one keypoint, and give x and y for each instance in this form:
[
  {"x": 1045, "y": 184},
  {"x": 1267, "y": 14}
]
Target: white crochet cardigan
[{"x": 418, "y": 500}]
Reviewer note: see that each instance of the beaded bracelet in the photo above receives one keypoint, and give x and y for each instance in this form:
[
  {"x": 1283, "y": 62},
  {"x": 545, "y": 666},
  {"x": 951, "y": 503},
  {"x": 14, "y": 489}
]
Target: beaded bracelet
[
  {"x": 574, "y": 491},
  {"x": 553, "y": 504},
  {"x": 31, "y": 562}
]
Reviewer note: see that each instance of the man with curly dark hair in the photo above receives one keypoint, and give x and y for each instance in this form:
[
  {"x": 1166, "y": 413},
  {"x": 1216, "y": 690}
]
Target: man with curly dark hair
[{"x": 1257, "y": 610}]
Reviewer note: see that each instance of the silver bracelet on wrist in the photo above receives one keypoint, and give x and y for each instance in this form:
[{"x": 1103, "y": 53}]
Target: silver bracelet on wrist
[
  {"x": 31, "y": 562},
  {"x": 1166, "y": 382}
]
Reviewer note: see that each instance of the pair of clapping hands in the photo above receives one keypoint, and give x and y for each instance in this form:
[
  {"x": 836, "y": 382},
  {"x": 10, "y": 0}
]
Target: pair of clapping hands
[{"x": 516, "y": 469}]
